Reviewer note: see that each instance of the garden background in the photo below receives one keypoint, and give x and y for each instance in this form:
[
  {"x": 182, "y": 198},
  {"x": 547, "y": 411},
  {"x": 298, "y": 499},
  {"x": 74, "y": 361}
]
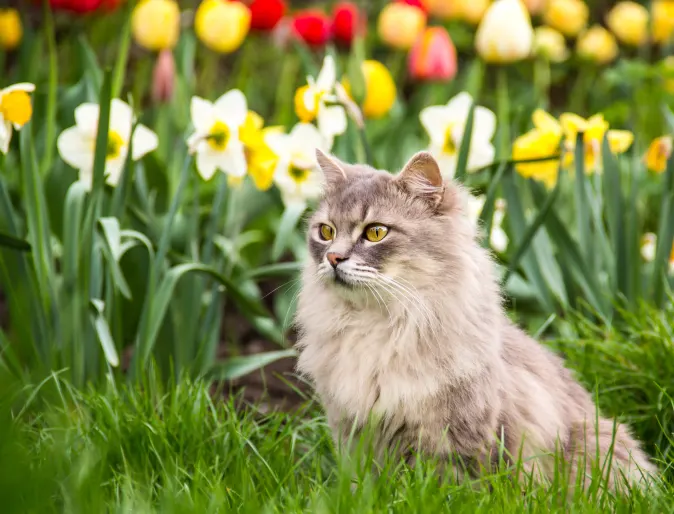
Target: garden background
[{"x": 156, "y": 169}]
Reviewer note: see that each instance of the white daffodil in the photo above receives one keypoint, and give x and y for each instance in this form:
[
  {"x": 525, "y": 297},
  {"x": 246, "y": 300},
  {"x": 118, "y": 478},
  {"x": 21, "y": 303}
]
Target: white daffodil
[
  {"x": 297, "y": 175},
  {"x": 216, "y": 138},
  {"x": 445, "y": 125},
  {"x": 15, "y": 111},
  {"x": 77, "y": 144},
  {"x": 313, "y": 101},
  {"x": 648, "y": 245},
  {"x": 498, "y": 239}
]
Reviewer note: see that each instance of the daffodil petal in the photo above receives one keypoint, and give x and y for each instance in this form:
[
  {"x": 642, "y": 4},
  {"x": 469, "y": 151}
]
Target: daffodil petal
[
  {"x": 484, "y": 124},
  {"x": 232, "y": 108},
  {"x": 76, "y": 148},
  {"x": 121, "y": 118},
  {"x": 303, "y": 141},
  {"x": 86, "y": 118},
  {"x": 5, "y": 135},
  {"x": 480, "y": 155},
  {"x": 435, "y": 121},
  {"x": 144, "y": 142},
  {"x": 619, "y": 140},
  {"x": 207, "y": 163},
  {"x": 498, "y": 239},
  {"x": 277, "y": 142},
  {"x": 202, "y": 114},
  {"x": 572, "y": 124},
  {"x": 446, "y": 163},
  {"x": 545, "y": 121},
  {"x": 312, "y": 187},
  {"x": 458, "y": 107},
  {"x": 21, "y": 86},
  {"x": 234, "y": 160},
  {"x": 86, "y": 177},
  {"x": 328, "y": 75},
  {"x": 332, "y": 121},
  {"x": 114, "y": 168}
]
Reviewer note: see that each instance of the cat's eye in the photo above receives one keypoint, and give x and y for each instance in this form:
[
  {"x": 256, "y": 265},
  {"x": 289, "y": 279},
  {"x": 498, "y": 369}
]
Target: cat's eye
[
  {"x": 326, "y": 232},
  {"x": 376, "y": 233}
]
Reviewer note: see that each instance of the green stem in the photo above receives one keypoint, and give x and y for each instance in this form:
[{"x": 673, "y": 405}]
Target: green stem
[
  {"x": 503, "y": 109},
  {"x": 542, "y": 81},
  {"x": 50, "y": 121},
  {"x": 123, "y": 53}
]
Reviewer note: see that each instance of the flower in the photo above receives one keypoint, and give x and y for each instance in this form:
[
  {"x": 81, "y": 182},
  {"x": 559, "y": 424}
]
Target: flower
[
  {"x": 260, "y": 158},
  {"x": 15, "y": 111},
  {"x": 399, "y": 25},
  {"x": 433, "y": 56},
  {"x": 445, "y": 125},
  {"x": 498, "y": 239},
  {"x": 470, "y": 11},
  {"x": 380, "y": 89},
  {"x": 535, "y": 7},
  {"x": 155, "y": 24},
  {"x": 81, "y": 6},
  {"x": 442, "y": 9},
  {"x": 658, "y": 154},
  {"x": 221, "y": 25},
  {"x": 663, "y": 20},
  {"x": 296, "y": 174},
  {"x": 597, "y": 44},
  {"x": 550, "y": 44},
  {"x": 265, "y": 14},
  {"x": 312, "y": 101},
  {"x": 11, "y": 30},
  {"x": 313, "y": 27},
  {"x": 216, "y": 139},
  {"x": 540, "y": 142},
  {"x": 648, "y": 246},
  {"x": 163, "y": 77},
  {"x": 593, "y": 129},
  {"x": 347, "y": 22},
  {"x": 567, "y": 16},
  {"x": 77, "y": 144},
  {"x": 505, "y": 33},
  {"x": 421, "y": 4},
  {"x": 629, "y": 22}
]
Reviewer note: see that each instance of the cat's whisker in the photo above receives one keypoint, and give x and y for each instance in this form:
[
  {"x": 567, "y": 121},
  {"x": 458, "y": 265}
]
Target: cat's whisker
[
  {"x": 401, "y": 301},
  {"x": 378, "y": 297},
  {"x": 414, "y": 299}
]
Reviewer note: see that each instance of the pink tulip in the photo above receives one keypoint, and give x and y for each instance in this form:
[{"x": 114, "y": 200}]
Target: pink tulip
[
  {"x": 163, "y": 77},
  {"x": 433, "y": 56}
]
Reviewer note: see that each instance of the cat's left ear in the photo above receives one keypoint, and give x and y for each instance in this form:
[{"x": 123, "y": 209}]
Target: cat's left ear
[
  {"x": 332, "y": 169},
  {"x": 421, "y": 177}
]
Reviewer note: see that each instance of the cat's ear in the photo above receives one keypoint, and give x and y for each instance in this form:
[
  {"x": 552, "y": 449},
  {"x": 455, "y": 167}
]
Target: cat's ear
[
  {"x": 332, "y": 169},
  {"x": 421, "y": 177}
]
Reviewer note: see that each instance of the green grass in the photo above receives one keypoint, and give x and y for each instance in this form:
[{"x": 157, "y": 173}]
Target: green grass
[{"x": 146, "y": 448}]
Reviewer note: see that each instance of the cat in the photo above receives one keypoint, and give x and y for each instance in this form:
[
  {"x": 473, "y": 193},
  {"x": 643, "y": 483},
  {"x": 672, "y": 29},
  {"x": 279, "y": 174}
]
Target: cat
[{"x": 401, "y": 324}]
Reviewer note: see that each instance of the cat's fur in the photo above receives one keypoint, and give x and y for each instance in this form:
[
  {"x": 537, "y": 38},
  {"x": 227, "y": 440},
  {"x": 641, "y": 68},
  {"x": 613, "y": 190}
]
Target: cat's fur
[{"x": 413, "y": 335}]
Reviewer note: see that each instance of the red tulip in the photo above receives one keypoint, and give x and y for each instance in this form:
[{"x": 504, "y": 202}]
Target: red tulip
[
  {"x": 433, "y": 56},
  {"x": 83, "y": 6},
  {"x": 415, "y": 3},
  {"x": 265, "y": 14},
  {"x": 347, "y": 21},
  {"x": 312, "y": 26}
]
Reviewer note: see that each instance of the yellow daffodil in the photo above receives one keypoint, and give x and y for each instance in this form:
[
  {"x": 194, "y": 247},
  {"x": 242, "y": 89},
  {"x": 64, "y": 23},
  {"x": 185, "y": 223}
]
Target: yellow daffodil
[
  {"x": 380, "y": 89},
  {"x": 593, "y": 129},
  {"x": 260, "y": 158},
  {"x": 505, "y": 33},
  {"x": 15, "y": 111},
  {"x": 629, "y": 22},
  {"x": 155, "y": 24},
  {"x": 498, "y": 239},
  {"x": 663, "y": 20},
  {"x": 550, "y": 44},
  {"x": 11, "y": 30},
  {"x": 221, "y": 25},
  {"x": 216, "y": 139},
  {"x": 598, "y": 45},
  {"x": 542, "y": 141},
  {"x": 445, "y": 126},
  {"x": 400, "y": 25},
  {"x": 658, "y": 154},
  {"x": 77, "y": 144},
  {"x": 567, "y": 16}
]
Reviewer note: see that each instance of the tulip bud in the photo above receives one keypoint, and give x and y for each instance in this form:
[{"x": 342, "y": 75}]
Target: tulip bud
[
  {"x": 433, "y": 56},
  {"x": 11, "y": 30},
  {"x": 629, "y": 22},
  {"x": 313, "y": 27},
  {"x": 505, "y": 33},
  {"x": 221, "y": 25},
  {"x": 347, "y": 22},
  {"x": 156, "y": 24},
  {"x": 265, "y": 14},
  {"x": 663, "y": 20},
  {"x": 163, "y": 77},
  {"x": 443, "y": 9},
  {"x": 400, "y": 25},
  {"x": 597, "y": 44},
  {"x": 567, "y": 16},
  {"x": 550, "y": 44}
]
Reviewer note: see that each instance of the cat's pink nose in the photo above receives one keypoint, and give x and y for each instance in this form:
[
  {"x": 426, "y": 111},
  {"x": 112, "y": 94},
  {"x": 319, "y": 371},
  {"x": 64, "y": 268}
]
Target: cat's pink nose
[{"x": 335, "y": 258}]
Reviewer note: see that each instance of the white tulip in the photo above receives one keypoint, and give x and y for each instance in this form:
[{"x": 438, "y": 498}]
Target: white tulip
[
  {"x": 77, "y": 144},
  {"x": 15, "y": 111},
  {"x": 505, "y": 33}
]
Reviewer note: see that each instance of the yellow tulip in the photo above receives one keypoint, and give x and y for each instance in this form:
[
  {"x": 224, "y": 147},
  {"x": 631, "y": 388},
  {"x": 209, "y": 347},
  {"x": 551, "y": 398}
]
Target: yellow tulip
[
  {"x": 442, "y": 9},
  {"x": 380, "y": 89},
  {"x": 658, "y": 154},
  {"x": 400, "y": 25},
  {"x": 221, "y": 25},
  {"x": 156, "y": 24},
  {"x": 550, "y": 43},
  {"x": 540, "y": 142},
  {"x": 663, "y": 20},
  {"x": 567, "y": 16},
  {"x": 472, "y": 11},
  {"x": 597, "y": 44},
  {"x": 505, "y": 33},
  {"x": 11, "y": 30},
  {"x": 629, "y": 22}
]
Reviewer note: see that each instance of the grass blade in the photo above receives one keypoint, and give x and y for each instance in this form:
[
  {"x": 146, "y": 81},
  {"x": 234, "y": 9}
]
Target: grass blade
[
  {"x": 236, "y": 367},
  {"x": 289, "y": 220},
  {"x": 582, "y": 201}
]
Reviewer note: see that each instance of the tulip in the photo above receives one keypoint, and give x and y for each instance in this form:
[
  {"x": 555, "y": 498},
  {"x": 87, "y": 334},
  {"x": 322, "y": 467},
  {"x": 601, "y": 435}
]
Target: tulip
[
  {"x": 155, "y": 24},
  {"x": 629, "y": 22},
  {"x": 550, "y": 44},
  {"x": 433, "y": 56},
  {"x": 663, "y": 20},
  {"x": 265, "y": 14},
  {"x": 535, "y": 7},
  {"x": 380, "y": 89},
  {"x": 163, "y": 77},
  {"x": 567, "y": 16},
  {"x": 443, "y": 9},
  {"x": 11, "y": 30},
  {"x": 347, "y": 22},
  {"x": 658, "y": 154},
  {"x": 76, "y": 6},
  {"x": 597, "y": 44},
  {"x": 221, "y": 25},
  {"x": 471, "y": 11},
  {"x": 313, "y": 27},
  {"x": 415, "y": 3},
  {"x": 505, "y": 33},
  {"x": 400, "y": 25}
]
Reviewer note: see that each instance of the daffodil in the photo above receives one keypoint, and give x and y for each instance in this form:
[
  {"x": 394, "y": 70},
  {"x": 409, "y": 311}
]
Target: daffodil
[
  {"x": 649, "y": 245},
  {"x": 445, "y": 125},
  {"x": 260, "y": 158},
  {"x": 498, "y": 239},
  {"x": 312, "y": 102},
  {"x": 297, "y": 175},
  {"x": 216, "y": 139},
  {"x": 77, "y": 144},
  {"x": 658, "y": 154},
  {"x": 541, "y": 142},
  {"x": 15, "y": 111},
  {"x": 593, "y": 129}
]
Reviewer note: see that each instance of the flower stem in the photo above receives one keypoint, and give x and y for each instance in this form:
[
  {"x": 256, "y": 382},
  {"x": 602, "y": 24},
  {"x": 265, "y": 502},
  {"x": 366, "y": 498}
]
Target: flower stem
[
  {"x": 50, "y": 121},
  {"x": 503, "y": 111}
]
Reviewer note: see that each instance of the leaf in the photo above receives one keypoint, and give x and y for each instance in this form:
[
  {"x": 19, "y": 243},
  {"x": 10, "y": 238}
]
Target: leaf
[
  {"x": 9, "y": 241},
  {"x": 280, "y": 269},
  {"x": 464, "y": 150},
  {"x": 665, "y": 236},
  {"x": 96, "y": 308},
  {"x": 582, "y": 201},
  {"x": 289, "y": 220},
  {"x": 614, "y": 207},
  {"x": 239, "y": 366}
]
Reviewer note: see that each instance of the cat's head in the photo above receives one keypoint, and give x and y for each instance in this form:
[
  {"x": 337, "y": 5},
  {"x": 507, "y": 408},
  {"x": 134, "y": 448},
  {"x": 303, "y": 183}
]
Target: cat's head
[{"x": 390, "y": 232}]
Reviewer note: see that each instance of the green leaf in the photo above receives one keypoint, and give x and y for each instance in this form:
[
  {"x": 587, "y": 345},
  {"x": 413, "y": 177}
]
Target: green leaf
[
  {"x": 50, "y": 121},
  {"x": 289, "y": 220},
  {"x": 96, "y": 308},
  {"x": 281, "y": 269},
  {"x": 239, "y": 366},
  {"x": 582, "y": 201},
  {"x": 9, "y": 241},
  {"x": 464, "y": 150},
  {"x": 122, "y": 53},
  {"x": 615, "y": 216},
  {"x": 665, "y": 236}
]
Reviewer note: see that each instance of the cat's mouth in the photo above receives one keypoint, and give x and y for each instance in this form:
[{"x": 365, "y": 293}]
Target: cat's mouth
[{"x": 342, "y": 278}]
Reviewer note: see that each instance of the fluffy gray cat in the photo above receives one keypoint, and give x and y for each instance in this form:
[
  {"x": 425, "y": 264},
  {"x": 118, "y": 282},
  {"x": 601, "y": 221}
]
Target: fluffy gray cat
[{"x": 401, "y": 323}]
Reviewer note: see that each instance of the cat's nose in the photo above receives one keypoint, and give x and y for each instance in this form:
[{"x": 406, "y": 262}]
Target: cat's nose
[{"x": 335, "y": 258}]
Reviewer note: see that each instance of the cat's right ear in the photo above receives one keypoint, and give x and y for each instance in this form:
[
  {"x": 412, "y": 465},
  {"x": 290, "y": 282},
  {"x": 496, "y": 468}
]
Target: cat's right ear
[{"x": 332, "y": 170}]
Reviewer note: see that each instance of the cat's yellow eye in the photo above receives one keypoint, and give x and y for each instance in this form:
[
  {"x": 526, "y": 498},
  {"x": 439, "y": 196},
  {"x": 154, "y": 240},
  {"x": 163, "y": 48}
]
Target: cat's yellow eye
[
  {"x": 376, "y": 233},
  {"x": 327, "y": 232}
]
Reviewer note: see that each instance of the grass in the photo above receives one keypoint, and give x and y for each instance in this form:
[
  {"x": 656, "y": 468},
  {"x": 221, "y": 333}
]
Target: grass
[{"x": 142, "y": 448}]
